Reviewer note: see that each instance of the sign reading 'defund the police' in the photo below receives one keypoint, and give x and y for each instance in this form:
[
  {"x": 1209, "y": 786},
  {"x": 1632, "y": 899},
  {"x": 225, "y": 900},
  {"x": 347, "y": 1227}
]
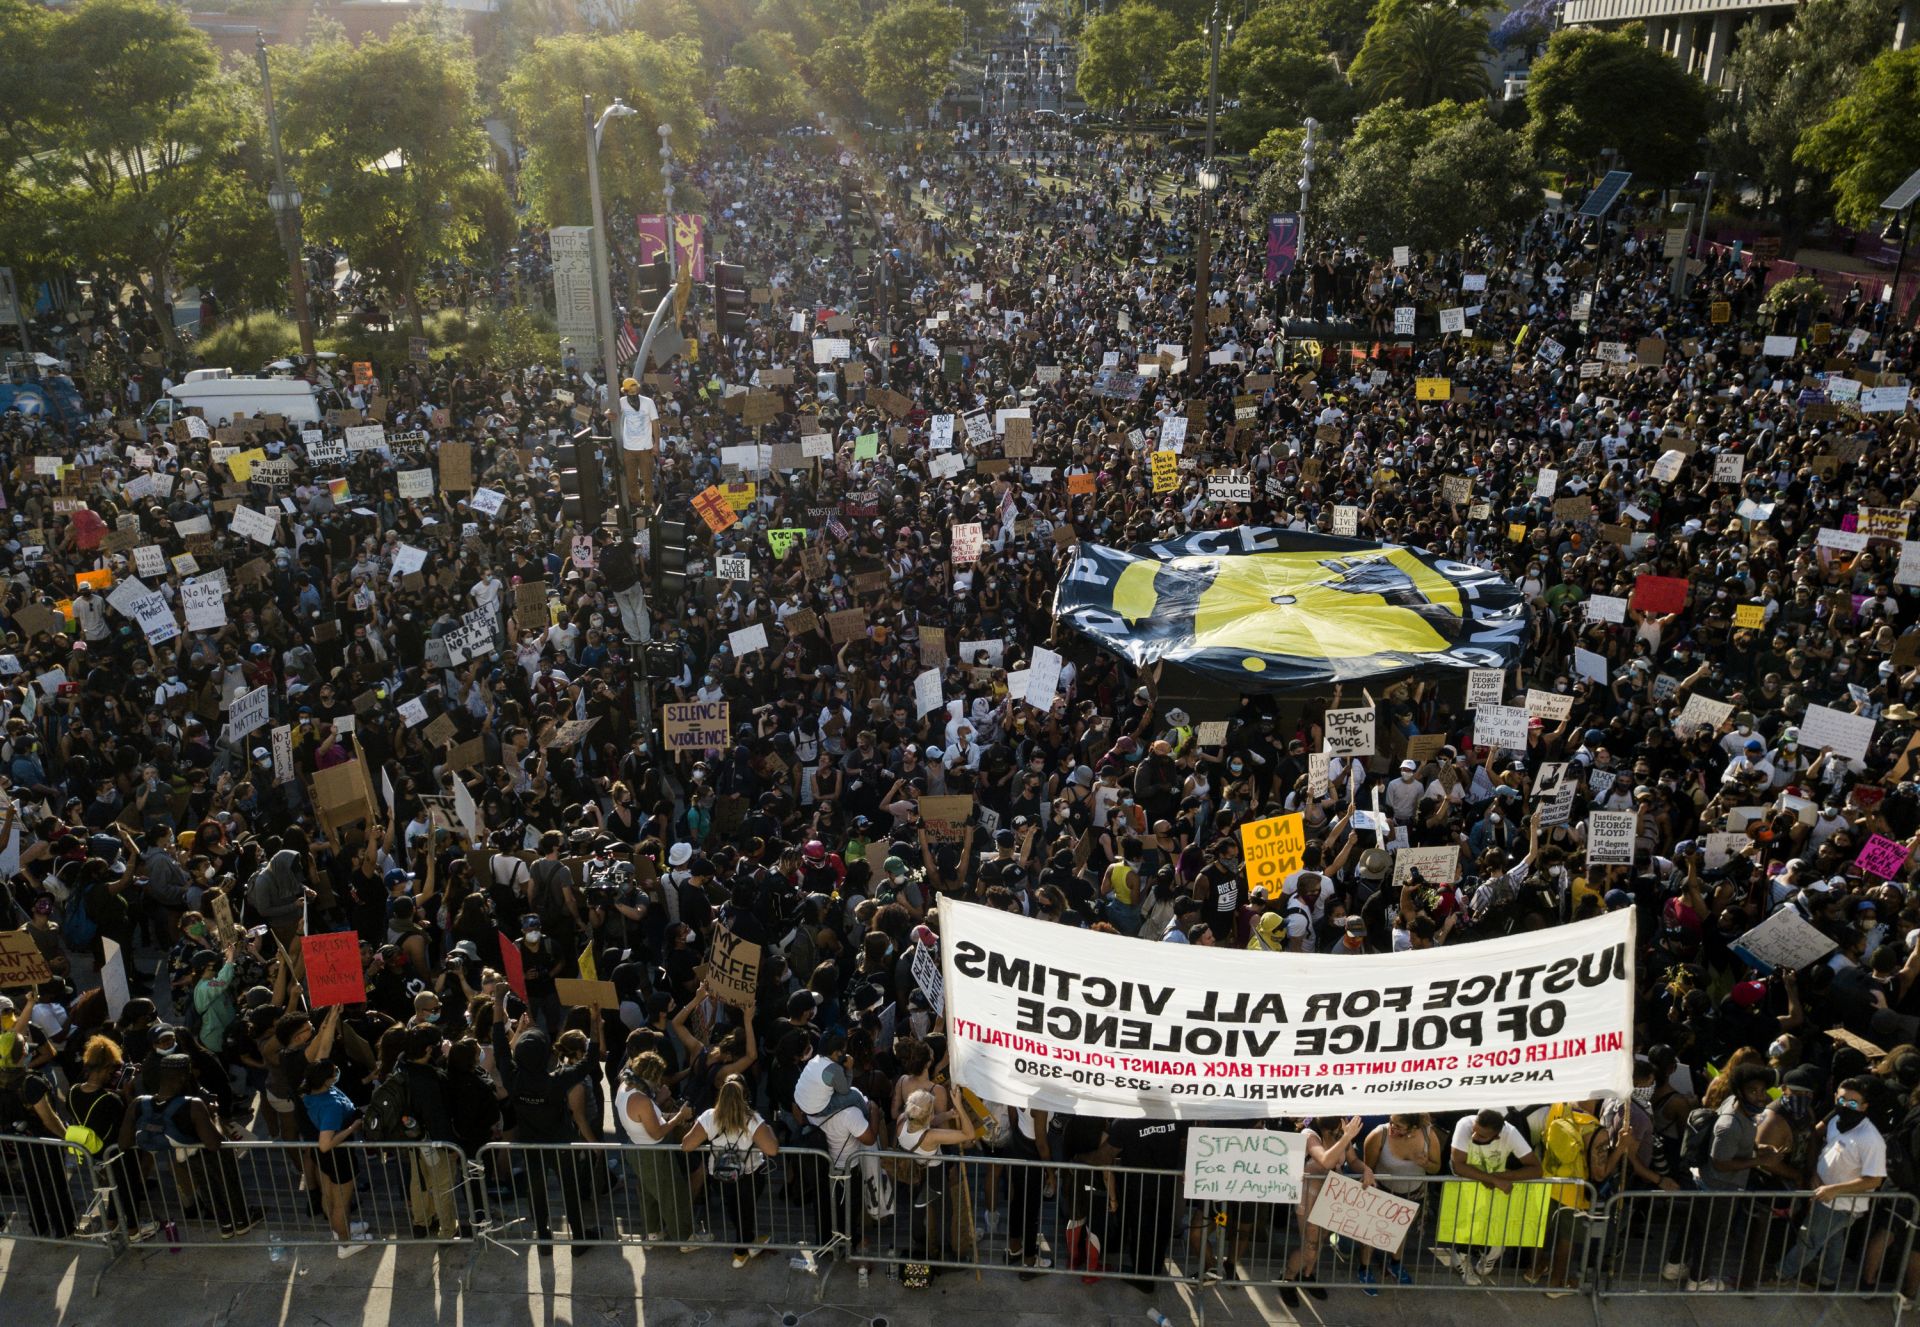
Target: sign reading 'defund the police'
[{"x": 1052, "y": 1018}]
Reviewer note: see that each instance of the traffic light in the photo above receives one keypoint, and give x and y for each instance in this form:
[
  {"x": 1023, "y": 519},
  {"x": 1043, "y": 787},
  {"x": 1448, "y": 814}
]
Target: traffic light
[
  {"x": 655, "y": 282},
  {"x": 730, "y": 298},
  {"x": 578, "y": 464},
  {"x": 863, "y": 292},
  {"x": 669, "y": 554}
]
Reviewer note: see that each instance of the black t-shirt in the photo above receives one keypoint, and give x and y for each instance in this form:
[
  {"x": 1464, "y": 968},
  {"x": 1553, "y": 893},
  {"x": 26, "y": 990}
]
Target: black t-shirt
[{"x": 1149, "y": 1144}]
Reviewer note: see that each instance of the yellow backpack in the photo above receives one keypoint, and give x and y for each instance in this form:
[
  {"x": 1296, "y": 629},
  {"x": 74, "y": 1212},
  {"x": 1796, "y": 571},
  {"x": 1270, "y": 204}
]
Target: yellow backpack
[{"x": 1564, "y": 1143}]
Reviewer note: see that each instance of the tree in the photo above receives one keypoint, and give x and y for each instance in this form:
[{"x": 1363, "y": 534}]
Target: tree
[
  {"x": 808, "y": 22},
  {"x": 837, "y": 72},
  {"x": 116, "y": 185},
  {"x": 908, "y": 49},
  {"x": 764, "y": 90},
  {"x": 1871, "y": 141},
  {"x": 1594, "y": 90},
  {"x": 1787, "y": 81},
  {"x": 1123, "y": 54},
  {"x": 662, "y": 80},
  {"x": 1280, "y": 71},
  {"x": 1431, "y": 55},
  {"x": 1427, "y": 177},
  {"x": 389, "y": 152}
]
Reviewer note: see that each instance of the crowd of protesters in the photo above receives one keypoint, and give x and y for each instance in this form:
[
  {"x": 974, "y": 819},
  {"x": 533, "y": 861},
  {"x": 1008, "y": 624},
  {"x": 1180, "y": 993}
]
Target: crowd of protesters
[{"x": 141, "y": 828}]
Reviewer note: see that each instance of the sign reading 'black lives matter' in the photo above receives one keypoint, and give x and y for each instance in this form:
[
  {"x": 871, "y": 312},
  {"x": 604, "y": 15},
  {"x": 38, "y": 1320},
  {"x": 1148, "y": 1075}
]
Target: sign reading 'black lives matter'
[{"x": 1049, "y": 1017}]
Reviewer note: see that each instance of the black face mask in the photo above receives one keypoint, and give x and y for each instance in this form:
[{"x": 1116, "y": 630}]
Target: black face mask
[{"x": 1848, "y": 1118}]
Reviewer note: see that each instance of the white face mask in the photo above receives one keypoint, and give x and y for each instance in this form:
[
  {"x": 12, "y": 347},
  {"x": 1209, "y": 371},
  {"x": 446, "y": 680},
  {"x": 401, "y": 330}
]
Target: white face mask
[{"x": 533, "y": 937}]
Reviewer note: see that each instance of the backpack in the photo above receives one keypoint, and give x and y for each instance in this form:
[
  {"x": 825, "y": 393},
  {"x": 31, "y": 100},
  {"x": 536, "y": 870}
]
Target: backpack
[
  {"x": 389, "y": 1117},
  {"x": 1903, "y": 1153},
  {"x": 1696, "y": 1147},
  {"x": 80, "y": 928},
  {"x": 158, "y": 1129}
]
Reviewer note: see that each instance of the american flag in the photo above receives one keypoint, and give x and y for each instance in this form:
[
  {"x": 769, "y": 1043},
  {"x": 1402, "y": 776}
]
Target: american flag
[{"x": 626, "y": 345}]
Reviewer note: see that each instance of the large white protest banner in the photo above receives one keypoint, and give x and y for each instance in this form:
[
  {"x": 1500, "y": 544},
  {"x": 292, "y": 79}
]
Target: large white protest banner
[{"x": 1050, "y": 1018}]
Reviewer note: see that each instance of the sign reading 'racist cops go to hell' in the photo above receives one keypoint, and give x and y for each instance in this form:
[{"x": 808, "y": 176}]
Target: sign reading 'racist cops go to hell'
[{"x": 1050, "y": 1018}]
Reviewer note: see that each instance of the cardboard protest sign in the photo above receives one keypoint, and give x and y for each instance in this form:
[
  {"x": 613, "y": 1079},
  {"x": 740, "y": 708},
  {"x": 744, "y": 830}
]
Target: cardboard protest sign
[
  {"x": 733, "y": 968},
  {"x": 578, "y": 993},
  {"x": 1786, "y": 940},
  {"x": 1370, "y": 1216},
  {"x": 334, "y": 974},
  {"x": 1350, "y": 732},
  {"x": 696, "y": 725},
  {"x": 1244, "y": 1165},
  {"x": 1273, "y": 849},
  {"x": 946, "y": 817},
  {"x": 21, "y": 962}
]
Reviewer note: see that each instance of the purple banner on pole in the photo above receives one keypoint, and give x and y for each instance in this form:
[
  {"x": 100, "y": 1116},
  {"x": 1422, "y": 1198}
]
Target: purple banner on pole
[
  {"x": 1283, "y": 244},
  {"x": 689, "y": 240}
]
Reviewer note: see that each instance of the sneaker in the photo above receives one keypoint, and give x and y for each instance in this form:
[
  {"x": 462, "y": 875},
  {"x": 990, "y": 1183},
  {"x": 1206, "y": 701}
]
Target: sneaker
[
  {"x": 1470, "y": 1276},
  {"x": 1315, "y": 1292},
  {"x": 1561, "y": 1292},
  {"x": 1289, "y": 1296},
  {"x": 144, "y": 1231},
  {"x": 1707, "y": 1283},
  {"x": 740, "y": 1257},
  {"x": 248, "y": 1221},
  {"x": 1398, "y": 1271},
  {"x": 1489, "y": 1263},
  {"x": 357, "y": 1228},
  {"x": 1368, "y": 1281},
  {"x": 351, "y": 1247},
  {"x": 689, "y": 1248},
  {"x": 1673, "y": 1271}
]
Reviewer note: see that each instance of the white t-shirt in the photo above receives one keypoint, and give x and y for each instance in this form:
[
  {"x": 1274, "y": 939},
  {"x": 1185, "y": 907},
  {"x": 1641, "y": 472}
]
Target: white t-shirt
[
  {"x": 1492, "y": 1157},
  {"x": 636, "y": 423},
  {"x": 733, "y": 1146},
  {"x": 1854, "y": 1154}
]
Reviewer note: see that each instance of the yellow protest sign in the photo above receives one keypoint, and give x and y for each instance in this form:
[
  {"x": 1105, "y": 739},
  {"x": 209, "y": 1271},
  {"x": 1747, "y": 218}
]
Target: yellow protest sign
[
  {"x": 1516, "y": 532},
  {"x": 1166, "y": 472},
  {"x": 1433, "y": 389},
  {"x": 740, "y": 496},
  {"x": 1472, "y": 1213},
  {"x": 783, "y": 537},
  {"x": 1274, "y": 848},
  {"x": 242, "y": 463},
  {"x": 1751, "y": 617},
  {"x": 1720, "y": 311}
]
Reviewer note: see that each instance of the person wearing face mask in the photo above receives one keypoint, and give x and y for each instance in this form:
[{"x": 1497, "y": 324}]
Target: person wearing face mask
[
  {"x": 1734, "y": 1152},
  {"x": 432, "y": 1175},
  {"x": 1851, "y": 1161}
]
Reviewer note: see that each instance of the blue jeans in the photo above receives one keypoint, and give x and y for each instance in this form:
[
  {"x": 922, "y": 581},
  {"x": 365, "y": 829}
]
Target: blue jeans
[{"x": 1823, "y": 1242}]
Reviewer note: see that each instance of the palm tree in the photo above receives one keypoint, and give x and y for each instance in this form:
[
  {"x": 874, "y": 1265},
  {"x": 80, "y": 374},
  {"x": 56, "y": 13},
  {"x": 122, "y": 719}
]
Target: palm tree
[{"x": 1434, "y": 54}]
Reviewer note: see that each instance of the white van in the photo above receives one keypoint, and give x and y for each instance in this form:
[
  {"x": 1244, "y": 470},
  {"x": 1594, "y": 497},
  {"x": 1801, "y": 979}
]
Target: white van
[{"x": 219, "y": 396}]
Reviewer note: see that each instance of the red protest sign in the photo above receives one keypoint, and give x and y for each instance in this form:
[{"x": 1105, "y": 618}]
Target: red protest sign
[
  {"x": 510, "y": 965},
  {"x": 334, "y": 974},
  {"x": 1659, "y": 594}
]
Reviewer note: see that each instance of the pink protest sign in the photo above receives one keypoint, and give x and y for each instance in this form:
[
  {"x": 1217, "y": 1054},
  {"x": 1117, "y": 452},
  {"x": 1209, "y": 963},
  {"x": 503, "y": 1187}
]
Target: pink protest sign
[{"x": 1882, "y": 857}]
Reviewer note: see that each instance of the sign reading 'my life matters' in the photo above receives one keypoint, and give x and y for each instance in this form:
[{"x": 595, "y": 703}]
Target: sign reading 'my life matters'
[{"x": 1045, "y": 1017}]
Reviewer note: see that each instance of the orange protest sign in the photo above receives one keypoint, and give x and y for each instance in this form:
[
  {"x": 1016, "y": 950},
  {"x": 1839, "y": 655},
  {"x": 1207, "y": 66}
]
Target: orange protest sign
[
  {"x": 1080, "y": 485},
  {"x": 711, "y": 502},
  {"x": 101, "y": 580}
]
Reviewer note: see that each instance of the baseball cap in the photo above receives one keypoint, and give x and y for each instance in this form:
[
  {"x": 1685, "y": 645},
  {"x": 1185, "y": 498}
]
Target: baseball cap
[{"x": 1409, "y": 764}]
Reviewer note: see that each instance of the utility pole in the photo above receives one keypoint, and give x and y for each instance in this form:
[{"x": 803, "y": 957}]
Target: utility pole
[
  {"x": 1209, "y": 179},
  {"x": 285, "y": 203}
]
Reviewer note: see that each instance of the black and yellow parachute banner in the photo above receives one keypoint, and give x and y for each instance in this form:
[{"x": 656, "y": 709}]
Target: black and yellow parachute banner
[{"x": 1266, "y": 610}]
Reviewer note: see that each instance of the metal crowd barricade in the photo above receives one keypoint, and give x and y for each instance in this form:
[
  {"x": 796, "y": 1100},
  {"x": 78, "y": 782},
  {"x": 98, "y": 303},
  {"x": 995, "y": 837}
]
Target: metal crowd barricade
[
  {"x": 1757, "y": 1242},
  {"x": 972, "y": 1212},
  {"x": 584, "y": 1195},
  {"x": 1533, "y": 1237},
  {"x": 273, "y": 1191},
  {"x": 52, "y": 1192}
]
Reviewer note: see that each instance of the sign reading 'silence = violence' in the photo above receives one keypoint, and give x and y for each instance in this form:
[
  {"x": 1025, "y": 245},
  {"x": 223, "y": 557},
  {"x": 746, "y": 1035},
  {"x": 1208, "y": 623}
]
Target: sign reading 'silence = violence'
[{"x": 695, "y": 726}]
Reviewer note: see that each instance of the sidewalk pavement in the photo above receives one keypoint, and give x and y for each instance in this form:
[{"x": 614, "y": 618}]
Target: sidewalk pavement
[{"x": 413, "y": 1287}]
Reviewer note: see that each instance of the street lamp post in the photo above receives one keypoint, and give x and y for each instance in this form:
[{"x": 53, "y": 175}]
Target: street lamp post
[
  {"x": 1209, "y": 178},
  {"x": 284, "y": 200},
  {"x": 1900, "y": 202}
]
